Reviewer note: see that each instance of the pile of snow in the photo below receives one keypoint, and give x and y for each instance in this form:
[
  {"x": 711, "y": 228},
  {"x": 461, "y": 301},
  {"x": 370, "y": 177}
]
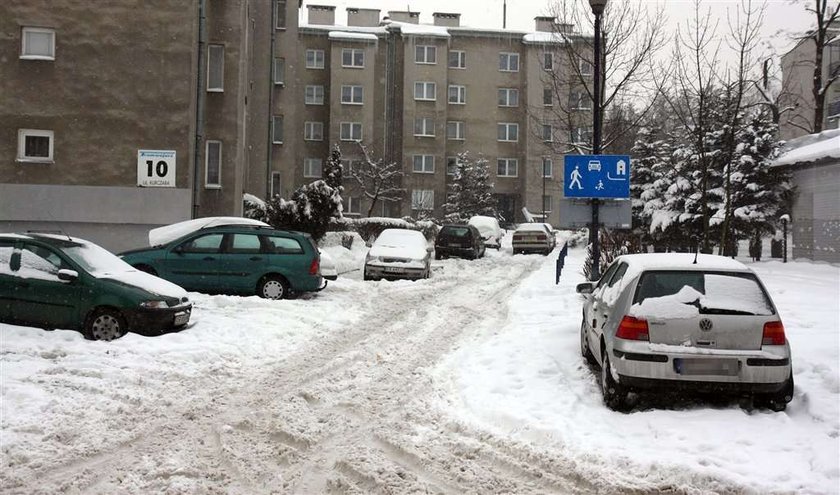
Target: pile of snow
[{"x": 811, "y": 148}]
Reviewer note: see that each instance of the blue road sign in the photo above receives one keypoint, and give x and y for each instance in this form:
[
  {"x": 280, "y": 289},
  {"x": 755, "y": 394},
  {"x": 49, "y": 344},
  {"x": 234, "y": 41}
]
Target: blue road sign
[{"x": 596, "y": 176}]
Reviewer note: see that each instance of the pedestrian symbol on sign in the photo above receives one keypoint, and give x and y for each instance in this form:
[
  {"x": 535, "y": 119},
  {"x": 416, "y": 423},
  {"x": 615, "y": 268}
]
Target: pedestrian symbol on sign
[{"x": 575, "y": 178}]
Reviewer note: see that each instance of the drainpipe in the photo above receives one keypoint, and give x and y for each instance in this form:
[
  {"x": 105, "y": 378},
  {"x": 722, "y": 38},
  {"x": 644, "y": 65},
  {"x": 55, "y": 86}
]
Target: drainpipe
[
  {"x": 270, "y": 142},
  {"x": 199, "y": 105}
]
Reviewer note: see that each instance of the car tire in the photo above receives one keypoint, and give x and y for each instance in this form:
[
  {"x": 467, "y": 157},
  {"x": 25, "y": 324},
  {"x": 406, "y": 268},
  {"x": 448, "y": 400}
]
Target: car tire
[
  {"x": 273, "y": 287},
  {"x": 105, "y": 324},
  {"x": 146, "y": 268},
  {"x": 778, "y": 401},
  {"x": 585, "y": 351},
  {"x": 615, "y": 395}
]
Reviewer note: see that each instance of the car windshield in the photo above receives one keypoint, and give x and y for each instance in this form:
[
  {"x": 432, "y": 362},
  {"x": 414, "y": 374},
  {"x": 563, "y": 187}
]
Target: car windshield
[
  {"x": 95, "y": 259},
  {"x": 400, "y": 238}
]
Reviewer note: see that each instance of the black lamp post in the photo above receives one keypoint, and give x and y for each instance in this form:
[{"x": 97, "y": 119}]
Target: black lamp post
[{"x": 597, "y": 9}]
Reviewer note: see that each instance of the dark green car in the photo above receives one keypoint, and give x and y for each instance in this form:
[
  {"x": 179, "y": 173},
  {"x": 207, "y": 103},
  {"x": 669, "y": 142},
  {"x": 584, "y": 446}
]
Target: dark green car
[
  {"x": 238, "y": 259},
  {"x": 54, "y": 281}
]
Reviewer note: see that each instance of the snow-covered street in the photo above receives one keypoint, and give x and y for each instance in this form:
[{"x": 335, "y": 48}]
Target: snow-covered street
[{"x": 469, "y": 382}]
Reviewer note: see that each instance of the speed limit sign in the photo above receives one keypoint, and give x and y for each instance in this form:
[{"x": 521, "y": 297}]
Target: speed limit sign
[{"x": 156, "y": 168}]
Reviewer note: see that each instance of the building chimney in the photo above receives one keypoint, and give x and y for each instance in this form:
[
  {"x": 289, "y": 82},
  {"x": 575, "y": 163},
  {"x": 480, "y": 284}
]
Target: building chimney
[
  {"x": 321, "y": 14},
  {"x": 362, "y": 17},
  {"x": 448, "y": 20},
  {"x": 404, "y": 16},
  {"x": 544, "y": 24},
  {"x": 566, "y": 28}
]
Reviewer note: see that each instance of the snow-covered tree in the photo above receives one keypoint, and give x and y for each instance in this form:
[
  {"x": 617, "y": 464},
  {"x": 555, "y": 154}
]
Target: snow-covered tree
[
  {"x": 334, "y": 172},
  {"x": 470, "y": 192},
  {"x": 650, "y": 159},
  {"x": 377, "y": 180},
  {"x": 310, "y": 209}
]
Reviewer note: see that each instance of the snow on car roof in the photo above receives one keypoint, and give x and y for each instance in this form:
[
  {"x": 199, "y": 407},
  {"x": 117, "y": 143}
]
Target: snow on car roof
[
  {"x": 682, "y": 261},
  {"x": 169, "y": 233}
]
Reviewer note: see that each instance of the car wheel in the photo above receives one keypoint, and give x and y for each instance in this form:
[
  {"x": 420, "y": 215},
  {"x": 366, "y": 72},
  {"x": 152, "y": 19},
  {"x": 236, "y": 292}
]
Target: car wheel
[
  {"x": 584, "y": 346},
  {"x": 105, "y": 324},
  {"x": 146, "y": 268},
  {"x": 615, "y": 396},
  {"x": 273, "y": 287},
  {"x": 778, "y": 401}
]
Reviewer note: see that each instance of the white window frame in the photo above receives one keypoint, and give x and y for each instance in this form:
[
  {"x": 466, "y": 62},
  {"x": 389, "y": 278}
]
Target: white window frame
[
  {"x": 547, "y": 208},
  {"x": 353, "y": 52},
  {"x": 317, "y": 63},
  {"x": 461, "y": 59},
  {"x": 354, "y": 206},
  {"x": 212, "y": 88},
  {"x": 24, "y": 48},
  {"x": 548, "y": 61},
  {"x": 350, "y": 131},
  {"x": 315, "y": 97},
  {"x": 505, "y": 61},
  {"x": 549, "y": 138},
  {"x": 585, "y": 68},
  {"x": 583, "y": 101},
  {"x": 426, "y": 164},
  {"x": 278, "y": 177},
  {"x": 460, "y": 94},
  {"x": 207, "y": 183},
  {"x": 309, "y": 164},
  {"x": 279, "y": 67},
  {"x": 426, "y": 50},
  {"x": 451, "y": 165},
  {"x": 548, "y": 102},
  {"x": 313, "y": 131},
  {"x": 508, "y": 164},
  {"x": 546, "y": 161},
  {"x": 422, "y": 199},
  {"x": 508, "y": 126},
  {"x": 505, "y": 95},
  {"x": 353, "y": 94},
  {"x": 23, "y": 134},
  {"x": 274, "y": 121},
  {"x": 459, "y": 127},
  {"x": 280, "y": 14},
  {"x": 422, "y": 87},
  {"x": 581, "y": 135},
  {"x": 424, "y": 127}
]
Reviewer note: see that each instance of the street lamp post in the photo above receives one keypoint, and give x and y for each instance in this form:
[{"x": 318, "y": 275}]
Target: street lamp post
[{"x": 597, "y": 9}]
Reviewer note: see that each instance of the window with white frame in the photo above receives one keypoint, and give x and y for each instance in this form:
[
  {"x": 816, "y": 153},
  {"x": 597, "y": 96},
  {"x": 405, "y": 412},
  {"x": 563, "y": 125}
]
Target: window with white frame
[
  {"x": 215, "y": 68},
  {"x": 35, "y": 145},
  {"x": 279, "y": 71},
  {"x": 451, "y": 165},
  {"x": 275, "y": 184},
  {"x": 350, "y": 131},
  {"x": 313, "y": 131},
  {"x": 423, "y": 164},
  {"x": 424, "y": 126},
  {"x": 353, "y": 206},
  {"x": 314, "y": 95},
  {"x": 425, "y": 91},
  {"x": 581, "y": 135},
  {"x": 508, "y": 97},
  {"x": 425, "y": 54},
  {"x": 280, "y": 14},
  {"x": 547, "y": 204},
  {"x": 548, "y": 97},
  {"x": 457, "y": 94},
  {"x": 507, "y": 167},
  {"x": 312, "y": 167},
  {"x": 37, "y": 43},
  {"x": 352, "y": 95},
  {"x": 547, "y": 167},
  {"x": 579, "y": 100},
  {"x": 277, "y": 129},
  {"x": 508, "y": 131},
  {"x": 548, "y": 61},
  {"x": 585, "y": 67},
  {"x": 509, "y": 62},
  {"x": 351, "y": 166},
  {"x": 547, "y": 133},
  {"x": 422, "y": 199},
  {"x": 353, "y": 57},
  {"x": 314, "y": 59},
  {"x": 457, "y": 59},
  {"x": 213, "y": 165},
  {"x": 455, "y": 130}
]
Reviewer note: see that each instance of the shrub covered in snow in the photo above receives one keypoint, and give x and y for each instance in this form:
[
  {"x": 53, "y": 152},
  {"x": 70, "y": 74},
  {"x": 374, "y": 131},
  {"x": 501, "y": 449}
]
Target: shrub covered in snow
[
  {"x": 470, "y": 191},
  {"x": 369, "y": 228},
  {"x": 310, "y": 210}
]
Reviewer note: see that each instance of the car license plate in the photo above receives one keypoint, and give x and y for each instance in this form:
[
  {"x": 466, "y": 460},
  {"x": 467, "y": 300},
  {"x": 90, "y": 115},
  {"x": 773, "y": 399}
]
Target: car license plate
[
  {"x": 393, "y": 269},
  {"x": 695, "y": 366},
  {"x": 182, "y": 319}
]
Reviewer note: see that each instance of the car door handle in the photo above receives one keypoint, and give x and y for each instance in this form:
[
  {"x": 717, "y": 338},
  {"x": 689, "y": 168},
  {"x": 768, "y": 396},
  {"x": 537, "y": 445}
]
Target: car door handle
[
  {"x": 209, "y": 258},
  {"x": 255, "y": 258}
]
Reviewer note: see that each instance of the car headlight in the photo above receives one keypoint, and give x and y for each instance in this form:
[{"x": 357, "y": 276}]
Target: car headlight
[
  {"x": 154, "y": 304},
  {"x": 370, "y": 258}
]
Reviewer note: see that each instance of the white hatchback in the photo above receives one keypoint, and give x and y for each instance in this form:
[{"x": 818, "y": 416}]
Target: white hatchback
[{"x": 398, "y": 253}]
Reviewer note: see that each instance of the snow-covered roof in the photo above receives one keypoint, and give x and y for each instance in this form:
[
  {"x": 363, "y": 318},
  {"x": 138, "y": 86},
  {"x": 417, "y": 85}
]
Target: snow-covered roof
[
  {"x": 330, "y": 28},
  {"x": 410, "y": 29},
  {"x": 811, "y": 148},
  {"x": 351, "y": 36},
  {"x": 682, "y": 261},
  {"x": 545, "y": 37}
]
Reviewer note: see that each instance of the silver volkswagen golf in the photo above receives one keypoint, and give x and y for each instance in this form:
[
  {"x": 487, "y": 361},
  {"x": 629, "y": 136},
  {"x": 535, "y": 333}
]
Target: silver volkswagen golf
[{"x": 674, "y": 321}]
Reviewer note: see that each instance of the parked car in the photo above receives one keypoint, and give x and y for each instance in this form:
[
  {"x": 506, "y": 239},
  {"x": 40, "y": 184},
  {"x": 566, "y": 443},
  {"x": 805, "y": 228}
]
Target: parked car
[
  {"x": 56, "y": 281},
  {"x": 398, "y": 253},
  {"x": 534, "y": 238},
  {"x": 464, "y": 241},
  {"x": 490, "y": 230},
  {"x": 329, "y": 270},
  {"x": 676, "y": 321},
  {"x": 239, "y": 259}
]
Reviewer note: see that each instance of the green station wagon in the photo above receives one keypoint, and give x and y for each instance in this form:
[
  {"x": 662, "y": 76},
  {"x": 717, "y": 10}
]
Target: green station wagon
[
  {"x": 238, "y": 259},
  {"x": 54, "y": 281}
]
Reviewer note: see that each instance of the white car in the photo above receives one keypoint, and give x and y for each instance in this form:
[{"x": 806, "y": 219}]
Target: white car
[
  {"x": 534, "y": 238},
  {"x": 329, "y": 270},
  {"x": 489, "y": 229},
  {"x": 680, "y": 321},
  {"x": 399, "y": 253}
]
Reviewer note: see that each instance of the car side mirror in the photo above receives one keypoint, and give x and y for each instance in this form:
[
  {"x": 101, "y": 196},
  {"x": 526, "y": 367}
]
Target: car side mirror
[
  {"x": 66, "y": 275},
  {"x": 585, "y": 288},
  {"x": 178, "y": 249}
]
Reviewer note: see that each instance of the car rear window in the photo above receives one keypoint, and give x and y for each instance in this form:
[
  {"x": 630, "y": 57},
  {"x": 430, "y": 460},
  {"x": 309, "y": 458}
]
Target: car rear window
[
  {"x": 283, "y": 245},
  {"x": 456, "y": 231},
  {"x": 716, "y": 292}
]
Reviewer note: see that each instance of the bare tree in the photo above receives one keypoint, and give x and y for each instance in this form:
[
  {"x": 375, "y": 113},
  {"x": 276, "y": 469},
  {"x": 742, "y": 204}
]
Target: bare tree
[
  {"x": 377, "y": 180},
  {"x": 825, "y": 17}
]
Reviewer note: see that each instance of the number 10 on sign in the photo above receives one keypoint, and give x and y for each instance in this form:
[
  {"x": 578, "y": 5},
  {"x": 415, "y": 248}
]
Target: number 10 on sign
[{"x": 156, "y": 168}]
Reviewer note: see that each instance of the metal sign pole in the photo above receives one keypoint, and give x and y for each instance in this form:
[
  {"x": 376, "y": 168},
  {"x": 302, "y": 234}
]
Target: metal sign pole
[{"x": 597, "y": 9}]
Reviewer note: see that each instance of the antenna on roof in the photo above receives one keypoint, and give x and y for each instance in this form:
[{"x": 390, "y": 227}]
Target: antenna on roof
[
  {"x": 60, "y": 229},
  {"x": 504, "y": 14}
]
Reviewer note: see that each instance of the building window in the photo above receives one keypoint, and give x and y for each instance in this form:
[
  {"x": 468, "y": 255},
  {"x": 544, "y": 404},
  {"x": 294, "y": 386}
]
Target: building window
[
  {"x": 351, "y": 131},
  {"x": 424, "y": 164},
  {"x": 509, "y": 62},
  {"x": 581, "y": 135},
  {"x": 548, "y": 61},
  {"x": 215, "y": 68},
  {"x": 352, "y": 95},
  {"x": 213, "y": 165},
  {"x": 275, "y": 184},
  {"x": 424, "y": 54},
  {"x": 585, "y": 67},
  {"x": 548, "y": 167},
  {"x": 352, "y": 57},
  {"x": 313, "y": 131},
  {"x": 279, "y": 71},
  {"x": 547, "y": 204},
  {"x": 508, "y": 132},
  {"x": 424, "y": 127},
  {"x": 35, "y": 146},
  {"x": 422, "y": 199},
  {"x": 277, "y": 129},
  {"x": 547, "y": 133},
  {"x": 508, "y": 97},
  {"x": 37, "y": 44},
  {"x": 455, "y": 130},
  {"x": 280, "y": 14},
  {"x": 579, "y": 100},
  {"x": 425, "y": 91},
  {"x": 314, "y": 95},
  {"x": 457, "y": 59},
  {"x": 354, "y": 206},
  {"x": 351, "y": 167},
  {"x": 314, "y": 59},
  {"x": 506, "y": 167},
  {"x": 548, "y": 97},
  {"x": 457, "y": 95},
  {"x": 451, "y": 165},
  {"x": 312, "y": 167}
]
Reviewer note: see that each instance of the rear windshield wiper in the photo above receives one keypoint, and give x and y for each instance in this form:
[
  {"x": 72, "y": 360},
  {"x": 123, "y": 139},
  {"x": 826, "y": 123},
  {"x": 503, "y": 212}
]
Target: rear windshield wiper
[{"x": 721, "y": 311}]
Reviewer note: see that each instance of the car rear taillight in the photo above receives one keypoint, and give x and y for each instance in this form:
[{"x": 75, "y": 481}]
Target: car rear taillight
[
  {"x": 632, "y": 328},
  {"x": 315, "y": 267},
  {"x": 774, "y": 333}
]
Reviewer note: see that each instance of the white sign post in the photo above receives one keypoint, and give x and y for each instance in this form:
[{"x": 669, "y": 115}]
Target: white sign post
[{"x": 155, "y": 168}]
